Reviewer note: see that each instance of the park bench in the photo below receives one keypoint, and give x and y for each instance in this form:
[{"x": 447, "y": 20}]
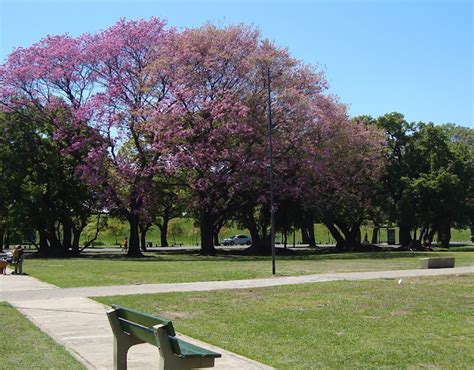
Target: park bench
[
  {"x": 131, "y": 327},
  {"x": 437, "y": 262}
]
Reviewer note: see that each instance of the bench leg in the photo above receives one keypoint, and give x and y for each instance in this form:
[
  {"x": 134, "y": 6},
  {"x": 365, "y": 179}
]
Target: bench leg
[
  {"x": 121, "y": 347},
  {"x": 122, "y": 342}
]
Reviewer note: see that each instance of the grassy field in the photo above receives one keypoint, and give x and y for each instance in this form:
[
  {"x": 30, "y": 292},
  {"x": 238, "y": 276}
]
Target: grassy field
[
  {"x": 183, "y": 231},
  {"x": 24, "y": 346},
  {"x": 105, "y": 269},
  {"x": 421, "y": 323}
]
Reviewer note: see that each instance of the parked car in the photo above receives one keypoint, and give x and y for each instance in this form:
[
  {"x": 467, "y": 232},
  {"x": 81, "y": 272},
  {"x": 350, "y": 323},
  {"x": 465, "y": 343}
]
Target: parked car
[{"x": 237, "y": 240}]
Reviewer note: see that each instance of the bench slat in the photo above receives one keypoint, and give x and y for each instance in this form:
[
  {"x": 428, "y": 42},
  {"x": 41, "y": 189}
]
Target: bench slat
[
  {"x": 140, "y": 332},
  {"x": 186, "y": 349},
  {"x": 144, "y": 319}
]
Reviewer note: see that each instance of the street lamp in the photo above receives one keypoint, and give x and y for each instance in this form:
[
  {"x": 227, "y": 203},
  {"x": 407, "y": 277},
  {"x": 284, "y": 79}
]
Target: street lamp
[{"x": 272, "y": 190}]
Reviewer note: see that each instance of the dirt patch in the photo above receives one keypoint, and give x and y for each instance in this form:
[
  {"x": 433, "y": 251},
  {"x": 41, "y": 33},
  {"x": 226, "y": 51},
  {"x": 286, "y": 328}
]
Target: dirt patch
[{"x": 176, "y": 315}]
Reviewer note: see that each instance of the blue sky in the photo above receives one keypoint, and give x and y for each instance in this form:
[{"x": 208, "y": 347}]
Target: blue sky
[{"x": 414, "y": 57}]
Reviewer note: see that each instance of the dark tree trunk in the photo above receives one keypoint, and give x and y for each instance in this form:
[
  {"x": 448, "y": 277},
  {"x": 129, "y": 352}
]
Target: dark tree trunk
[
  {"x": 134, "y": 240},
  {"x": 43, "y": 243},
  {"x": 405, "y": 237},
  {"x": 304, "y": 235},
  {"x": 143, "y": 231},
  {"x": 352, "y": 237},
  {"x": 164, "y": 231},
  {"x": 206, "y": 226},
  {"x": 261, "y": 244},
  {"x": 75, "y": 242},
  {"x": 430, "y": 235},
  {"x": 67, "y": 234},
  {"x": 216, "y": 238},
  {"x": 3, "y": 227},
  {"x": 375, "y": 235},
  {"x": 444, "y": 235},
  {"x": 285, "y": 238},
  {"x": 310, "y": 228},
  {"x": 7, "y": 237},
  {"x": 340, "y": 242},
  {"x": 54, "y": 243}
]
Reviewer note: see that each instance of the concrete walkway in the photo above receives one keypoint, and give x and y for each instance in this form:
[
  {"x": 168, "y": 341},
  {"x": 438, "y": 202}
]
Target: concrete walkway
[
  {"x": 51, "y": 292},
  {"x": 80, "y": 324}
]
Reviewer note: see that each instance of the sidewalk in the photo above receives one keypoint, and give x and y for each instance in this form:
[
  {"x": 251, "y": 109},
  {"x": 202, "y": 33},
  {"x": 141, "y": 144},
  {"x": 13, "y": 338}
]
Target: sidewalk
[
  {"x": 81, "y": 325},
  {"x": 47, "y": 292}
]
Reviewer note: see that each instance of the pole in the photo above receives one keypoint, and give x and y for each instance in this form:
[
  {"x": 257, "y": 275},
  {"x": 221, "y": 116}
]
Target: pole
[{"x": 272, "y": 190}]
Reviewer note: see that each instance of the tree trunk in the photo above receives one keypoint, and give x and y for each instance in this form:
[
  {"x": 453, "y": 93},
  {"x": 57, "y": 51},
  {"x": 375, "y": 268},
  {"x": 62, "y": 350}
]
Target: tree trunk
[
  {"x": 430, "y": 235},
  {"x": 143, "y": 241},
  {"x": 67, "y": 234},
  {"x": 134, "y": 240},
  {"x": 340, "y": 242},
  {"x": 143, "y": 232},
  {"x": 405, "y": 237},
  {"x": 353, "y": 237},
  {"x": 304, "y": 235},
  {"x": 206, "y": 226},
  {"x": 261, "y": 244},
  {"x": 444, "y": 235},
  {"x": 310, "y": 228},
  {"x": 163, "y": 231},
  {"x": 54, "y": 243},
  {"x": 3, "y": 227},
  {"x": 216, "y": 238},
  {"x": 375, "y": 235},
  {"x": 75, "y": 242},
  {"x": 43, "y": 243}
]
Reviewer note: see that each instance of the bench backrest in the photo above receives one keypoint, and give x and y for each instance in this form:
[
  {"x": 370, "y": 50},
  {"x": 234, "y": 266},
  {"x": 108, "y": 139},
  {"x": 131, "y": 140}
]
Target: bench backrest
[{"x": 140, "y": 325}]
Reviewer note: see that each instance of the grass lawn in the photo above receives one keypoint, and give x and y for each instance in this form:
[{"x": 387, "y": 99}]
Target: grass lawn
[
  {"x": 422, "y": 323},
  {"x": 178, "y": 267},
  {"x": 24, "y": 346}
]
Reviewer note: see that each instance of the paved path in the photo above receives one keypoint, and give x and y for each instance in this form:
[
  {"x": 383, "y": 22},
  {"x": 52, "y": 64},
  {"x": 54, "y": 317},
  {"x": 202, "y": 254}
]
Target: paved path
[
  {"x": 53, "y": 293},
  {"x": 80, "y": 324}
]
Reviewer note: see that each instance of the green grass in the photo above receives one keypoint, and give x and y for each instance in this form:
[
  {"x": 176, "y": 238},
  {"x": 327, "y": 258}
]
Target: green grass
[
  {"x": 24, "y": 346},
  {"x": 422, "y": 323},
  {"x": 177, "y": 268}
]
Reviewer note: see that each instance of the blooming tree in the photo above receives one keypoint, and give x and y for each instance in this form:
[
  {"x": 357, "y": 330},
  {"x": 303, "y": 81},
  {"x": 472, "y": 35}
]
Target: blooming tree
[{"x": 148, "y": 103}]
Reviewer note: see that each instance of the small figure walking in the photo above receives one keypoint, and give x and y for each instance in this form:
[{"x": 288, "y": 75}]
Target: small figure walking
[{"x": 125, "y": 244}]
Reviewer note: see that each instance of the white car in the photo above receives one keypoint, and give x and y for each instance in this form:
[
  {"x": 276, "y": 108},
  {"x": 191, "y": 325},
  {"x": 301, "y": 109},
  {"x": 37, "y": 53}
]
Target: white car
[{"x": 237, "y": 240}]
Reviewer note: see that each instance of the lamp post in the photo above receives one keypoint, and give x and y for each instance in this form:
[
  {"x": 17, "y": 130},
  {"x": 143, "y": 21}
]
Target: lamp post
[{"x": 270, "y": 153}]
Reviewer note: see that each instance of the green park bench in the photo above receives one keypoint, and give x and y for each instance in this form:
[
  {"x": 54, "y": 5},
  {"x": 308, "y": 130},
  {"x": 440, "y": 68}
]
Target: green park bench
[{"x": 131, "y": 327}]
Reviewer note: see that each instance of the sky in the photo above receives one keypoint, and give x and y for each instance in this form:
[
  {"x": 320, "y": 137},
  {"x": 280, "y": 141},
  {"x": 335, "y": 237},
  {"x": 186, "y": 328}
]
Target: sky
[{"x": 413, "y": 57}]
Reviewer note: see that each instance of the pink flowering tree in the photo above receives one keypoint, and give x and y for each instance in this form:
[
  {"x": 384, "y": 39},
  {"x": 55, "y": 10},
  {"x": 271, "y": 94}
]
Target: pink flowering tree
[
  {"x": 46, "y": 84},
  {"x": 105, "y": 82},
  {"x": 132, "y": 89},
  {"x": 148, "y": 103},
  {"x": 343, "y": 162},
  {"x": 210, "y": 133}
]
